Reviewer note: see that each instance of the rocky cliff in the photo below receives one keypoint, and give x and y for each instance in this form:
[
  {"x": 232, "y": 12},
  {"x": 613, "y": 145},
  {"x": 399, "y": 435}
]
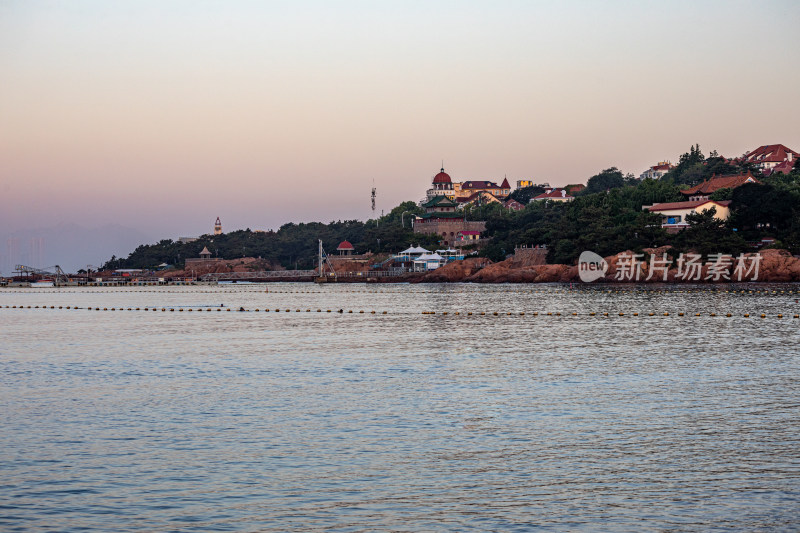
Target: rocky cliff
[{"x": 775, "y": 266}]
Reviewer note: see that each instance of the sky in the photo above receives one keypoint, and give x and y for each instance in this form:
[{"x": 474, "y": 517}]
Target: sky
[{"x": 162, "y": 115}]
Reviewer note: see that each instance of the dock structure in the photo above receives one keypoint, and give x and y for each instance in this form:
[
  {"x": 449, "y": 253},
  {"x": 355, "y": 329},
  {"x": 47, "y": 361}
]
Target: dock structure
[
  {"x": 57, "y": 275},
  {"x": 323, "y": 261}
]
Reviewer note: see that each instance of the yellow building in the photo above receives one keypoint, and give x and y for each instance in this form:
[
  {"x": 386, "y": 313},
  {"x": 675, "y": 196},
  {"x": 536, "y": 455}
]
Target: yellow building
[
  {"x": 480, "y": 198},
  {"x": 444, "y": 186},
  {"x": 673, "y": 214},
  {"x": 468, "y": 188}
]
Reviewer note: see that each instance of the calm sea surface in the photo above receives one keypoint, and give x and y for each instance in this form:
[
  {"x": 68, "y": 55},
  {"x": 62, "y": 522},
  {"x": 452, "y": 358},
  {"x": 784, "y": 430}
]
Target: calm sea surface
[{"x": 248, "y": 421}]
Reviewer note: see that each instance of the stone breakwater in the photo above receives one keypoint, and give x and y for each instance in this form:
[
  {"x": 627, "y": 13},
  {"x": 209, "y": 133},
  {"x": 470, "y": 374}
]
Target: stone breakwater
[{"x": 775, "y": 266}]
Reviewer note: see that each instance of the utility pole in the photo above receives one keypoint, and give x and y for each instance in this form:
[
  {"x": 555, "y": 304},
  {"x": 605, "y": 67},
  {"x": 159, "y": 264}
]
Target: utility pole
[{"x": 320, "y": 257}]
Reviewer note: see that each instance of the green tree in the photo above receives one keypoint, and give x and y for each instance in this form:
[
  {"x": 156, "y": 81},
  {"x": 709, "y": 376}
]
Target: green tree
[
  {"x": 689, "y": 169},
  {"x": 525, "y": 194},
  {"x": 610, "y": 178},
  {"x": 707, "y": 234}
]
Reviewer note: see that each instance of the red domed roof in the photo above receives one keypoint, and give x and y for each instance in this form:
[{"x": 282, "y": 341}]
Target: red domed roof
[
  {"x": 442, "y": 177},
  {"x": 345, "y": 245}
]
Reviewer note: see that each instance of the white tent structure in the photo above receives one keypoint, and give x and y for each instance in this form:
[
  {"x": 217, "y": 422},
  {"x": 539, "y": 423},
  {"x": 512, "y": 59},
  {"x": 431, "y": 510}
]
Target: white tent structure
[
  {"x": 426, "y": 262},
  {"x": 414, "y": 250},
  {"x": 450, "y": 254},
  {"x": 409, "y": 254}
]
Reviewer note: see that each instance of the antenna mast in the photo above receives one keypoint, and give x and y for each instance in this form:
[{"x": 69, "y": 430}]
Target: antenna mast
[{"x": 374, "y": 194}]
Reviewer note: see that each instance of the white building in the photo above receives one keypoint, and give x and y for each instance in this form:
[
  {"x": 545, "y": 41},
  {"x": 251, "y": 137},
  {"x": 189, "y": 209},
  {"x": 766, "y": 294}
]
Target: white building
[{"x": 656, "y": 172}]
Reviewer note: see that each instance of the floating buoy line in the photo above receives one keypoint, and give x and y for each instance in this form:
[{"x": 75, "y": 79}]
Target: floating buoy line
[
  {"x": 534, "y": 314},
  {"x": 388, "y": 289}
]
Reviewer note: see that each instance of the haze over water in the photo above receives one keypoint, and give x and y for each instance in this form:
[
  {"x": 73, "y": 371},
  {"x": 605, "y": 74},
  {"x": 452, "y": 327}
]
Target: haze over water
[{"x": 175, "y": 420}]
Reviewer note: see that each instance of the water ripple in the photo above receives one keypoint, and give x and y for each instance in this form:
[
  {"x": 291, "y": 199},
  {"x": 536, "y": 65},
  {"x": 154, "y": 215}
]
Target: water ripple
[{"x": 132, "y": 421}]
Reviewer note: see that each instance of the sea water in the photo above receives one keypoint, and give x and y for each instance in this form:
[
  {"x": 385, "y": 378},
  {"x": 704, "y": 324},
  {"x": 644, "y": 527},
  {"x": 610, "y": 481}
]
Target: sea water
[{"x": 307, "y": 418}]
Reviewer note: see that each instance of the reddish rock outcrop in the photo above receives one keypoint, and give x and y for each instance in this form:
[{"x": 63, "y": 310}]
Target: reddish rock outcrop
[
  {"x": 455, "y": 271},
  {"x": 778, "y": 265},
  {"x": 244, "y": 264},
  {"x": 775, "y": 266}
]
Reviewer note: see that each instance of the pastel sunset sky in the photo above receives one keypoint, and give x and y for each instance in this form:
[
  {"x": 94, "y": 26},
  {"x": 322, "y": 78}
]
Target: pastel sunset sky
[{"x": 163, "y": 115}]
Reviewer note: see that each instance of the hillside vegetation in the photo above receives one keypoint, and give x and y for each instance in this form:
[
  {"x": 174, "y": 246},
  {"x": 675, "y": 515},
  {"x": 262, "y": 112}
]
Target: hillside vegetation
[{"x": 606, "y": 217}]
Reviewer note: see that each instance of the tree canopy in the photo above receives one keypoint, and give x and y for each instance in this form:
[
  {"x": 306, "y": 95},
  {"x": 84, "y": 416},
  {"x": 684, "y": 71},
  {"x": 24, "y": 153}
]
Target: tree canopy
[
  {"x": 293, "y": 244},
  {"x": 610, "y": 178},
  {"x": 607, "y": 217}
]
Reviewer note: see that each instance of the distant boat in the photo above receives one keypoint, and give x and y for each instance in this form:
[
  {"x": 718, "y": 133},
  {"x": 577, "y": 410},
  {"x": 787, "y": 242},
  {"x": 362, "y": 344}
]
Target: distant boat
[{"x": 43, "y": 283}]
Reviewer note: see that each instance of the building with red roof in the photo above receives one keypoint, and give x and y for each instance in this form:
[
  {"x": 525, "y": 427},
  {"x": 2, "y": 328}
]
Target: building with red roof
[
  {"x": 715, "y": 183},
  {"x": 443, "y": 185},
  {"x": 657, "y": 171},
  {"x": 783, "y": 168},
  {"x": 470, "y": 187},
  {"x": 465, "y": 237},
  {"x": 769, "y": 156},
  {"x": 345, "y": 248},
  {"x": 673, "y": 214}
]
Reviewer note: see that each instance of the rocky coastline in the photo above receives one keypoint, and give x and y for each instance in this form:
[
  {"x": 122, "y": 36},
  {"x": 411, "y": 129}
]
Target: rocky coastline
[{"x": 775, "y": 266}]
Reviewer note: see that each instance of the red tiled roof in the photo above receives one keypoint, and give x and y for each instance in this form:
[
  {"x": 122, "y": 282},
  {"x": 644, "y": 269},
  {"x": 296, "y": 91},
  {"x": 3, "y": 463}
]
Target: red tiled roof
[
  {"x": 345, "y": 245},
  {"x": 675, "y": 206},
  {"x": 785, "y": 167},
  {"x": 555, "y": 193},
  {"x": 505, "y": 184},
  {"x": 771, "y": 153},
  {"x": 662, "y": 167},
  {"x": 469, "y": 232},
  {"x": 722, "y": 182},
  {"x": 442, "y": 177}
]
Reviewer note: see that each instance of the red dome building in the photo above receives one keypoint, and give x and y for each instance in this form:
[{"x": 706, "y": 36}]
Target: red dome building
[
  {"x": 442, "y": 185},
  {"x": 345, "y": 248},
  {"x": 442, "y": 177}
]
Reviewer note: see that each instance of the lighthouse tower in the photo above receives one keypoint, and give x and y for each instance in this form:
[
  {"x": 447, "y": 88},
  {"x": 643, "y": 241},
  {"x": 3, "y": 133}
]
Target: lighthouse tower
[{"x": 217, "y": 227}]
